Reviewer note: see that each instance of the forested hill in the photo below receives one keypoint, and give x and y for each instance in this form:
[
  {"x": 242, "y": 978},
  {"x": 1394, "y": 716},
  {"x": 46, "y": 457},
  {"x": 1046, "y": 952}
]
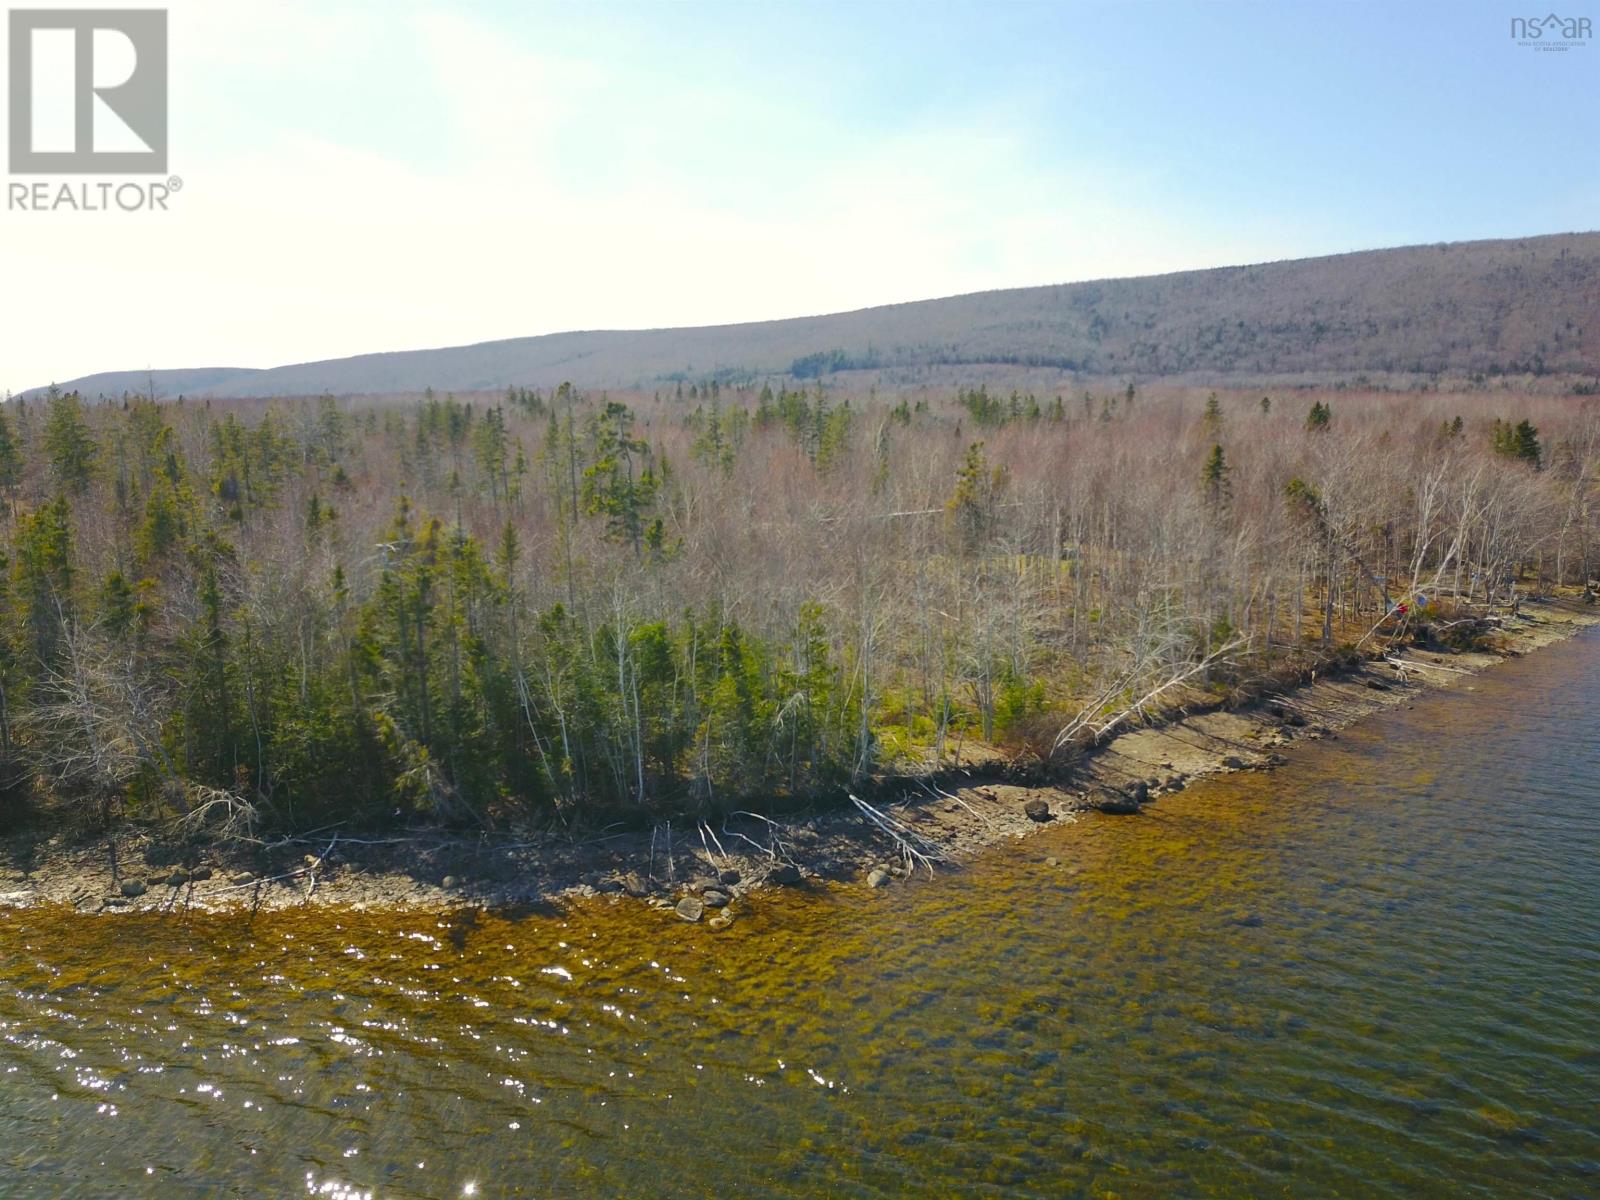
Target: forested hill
[{"x": 1527, "y": 306}]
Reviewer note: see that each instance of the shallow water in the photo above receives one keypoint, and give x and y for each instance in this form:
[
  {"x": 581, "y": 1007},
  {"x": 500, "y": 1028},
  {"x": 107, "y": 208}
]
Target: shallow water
[{"x": 1375, "y": 972}]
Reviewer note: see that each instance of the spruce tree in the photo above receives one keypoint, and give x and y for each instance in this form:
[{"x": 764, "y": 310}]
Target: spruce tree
[
  {"x": 68, "y": 443},
  {"x": 1214, "y": 477},
  {"x": 10, "y": 463}
]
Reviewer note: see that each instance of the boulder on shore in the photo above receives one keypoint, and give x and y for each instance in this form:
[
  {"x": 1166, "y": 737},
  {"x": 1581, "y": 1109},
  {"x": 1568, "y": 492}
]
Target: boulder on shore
[
  {"x": 1119, "y": 804},
  {"x": 690, "y": 908},
  {"x": 877, "y": 877},
  {"x": 786, "y": 875},
  {"x": 1037, "y": 810}
]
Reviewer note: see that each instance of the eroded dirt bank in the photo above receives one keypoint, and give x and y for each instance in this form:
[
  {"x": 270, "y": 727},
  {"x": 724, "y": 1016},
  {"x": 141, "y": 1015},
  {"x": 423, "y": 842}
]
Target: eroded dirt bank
[{"x": 706, "y": 871}]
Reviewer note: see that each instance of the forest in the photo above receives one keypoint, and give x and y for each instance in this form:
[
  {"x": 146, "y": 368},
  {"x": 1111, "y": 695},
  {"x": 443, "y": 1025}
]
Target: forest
[{"x": 545, "y": 606}]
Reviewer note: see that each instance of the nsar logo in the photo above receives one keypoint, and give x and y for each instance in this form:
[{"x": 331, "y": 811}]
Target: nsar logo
[{"x": 1551, "y": 32}]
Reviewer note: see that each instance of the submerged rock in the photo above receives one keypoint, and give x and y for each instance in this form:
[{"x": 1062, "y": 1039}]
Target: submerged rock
[
  {"x": 877, "y": 877},
  {"x": 715, "y": 897},
  {"x": 634, "y": 885},
  {"x": 690, "y": 908},
  {"x": 786, "y": 875},
  {"x": 1037, "y": 810},
  {"x": 721, "y": 921}
]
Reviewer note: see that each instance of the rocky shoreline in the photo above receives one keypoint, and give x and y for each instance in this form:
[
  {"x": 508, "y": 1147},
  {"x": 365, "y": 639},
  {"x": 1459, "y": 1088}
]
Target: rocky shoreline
[{"x": 702, "y": 874}]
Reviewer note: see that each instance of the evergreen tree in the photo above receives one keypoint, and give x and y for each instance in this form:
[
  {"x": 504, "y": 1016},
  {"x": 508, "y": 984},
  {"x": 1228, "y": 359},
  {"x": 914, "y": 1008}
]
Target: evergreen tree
[
  {"x": 619, "y": 483},
  {"x": 1519, "y": 441},
  {"x": 10, "y": 464},
  {"x": 45, "y": 576},
  {"x": 1214, "y": 478},
  {"x": 163, "y": 526},
  {"x": 766, "y": 411},
  {"x": 971, "y": 507},
  {"x": 491, "y": 445},
  {"x": 67, "y": 441},
  {"x": 833, "y": 440}
]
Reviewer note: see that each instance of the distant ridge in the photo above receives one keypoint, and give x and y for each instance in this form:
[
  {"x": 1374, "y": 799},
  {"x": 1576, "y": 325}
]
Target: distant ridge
[{"x": 1529, "y": 305}]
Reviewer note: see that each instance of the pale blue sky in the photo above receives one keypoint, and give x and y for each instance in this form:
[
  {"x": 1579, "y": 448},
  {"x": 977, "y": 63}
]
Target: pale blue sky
[{"x": 365, "y": 176}]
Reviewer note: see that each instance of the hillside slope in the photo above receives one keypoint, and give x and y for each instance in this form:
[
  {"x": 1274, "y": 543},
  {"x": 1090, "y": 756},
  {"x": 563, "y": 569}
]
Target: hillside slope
[{"x": 1516, "y": 306}]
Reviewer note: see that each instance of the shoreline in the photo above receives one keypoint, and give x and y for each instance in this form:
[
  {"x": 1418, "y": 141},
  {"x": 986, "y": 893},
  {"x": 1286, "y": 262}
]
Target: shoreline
[{"x": 700, "y": 871}]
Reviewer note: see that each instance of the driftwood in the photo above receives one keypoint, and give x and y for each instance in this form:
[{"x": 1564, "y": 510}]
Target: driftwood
[
  {"x": 1404, "y": 665},
  {"x": 234, "y": 817},
  {"x": 776, "y": 848},
  {"x": 905, "y": 838},
  {"x": 1086, "y": 718}
]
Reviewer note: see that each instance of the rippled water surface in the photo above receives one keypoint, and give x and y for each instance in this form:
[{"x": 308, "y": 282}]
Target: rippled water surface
[{"x": 1373, "y": 973}]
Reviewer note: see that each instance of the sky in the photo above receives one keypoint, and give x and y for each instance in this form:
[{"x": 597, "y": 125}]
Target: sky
[{"x": 399, "y": 174}]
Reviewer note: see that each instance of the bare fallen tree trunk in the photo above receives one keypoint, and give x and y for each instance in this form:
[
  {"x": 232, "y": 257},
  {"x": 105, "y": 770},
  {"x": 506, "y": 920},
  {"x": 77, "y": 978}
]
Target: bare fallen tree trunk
[{"x": 1086, "y": 720}]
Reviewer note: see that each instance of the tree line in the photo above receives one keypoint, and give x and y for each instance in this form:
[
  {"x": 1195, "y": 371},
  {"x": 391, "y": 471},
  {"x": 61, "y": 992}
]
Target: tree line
[{"x": 545, "y": 605}]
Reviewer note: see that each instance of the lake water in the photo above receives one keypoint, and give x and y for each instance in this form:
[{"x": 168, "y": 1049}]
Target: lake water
[{"x": 1375, "y": 972}]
